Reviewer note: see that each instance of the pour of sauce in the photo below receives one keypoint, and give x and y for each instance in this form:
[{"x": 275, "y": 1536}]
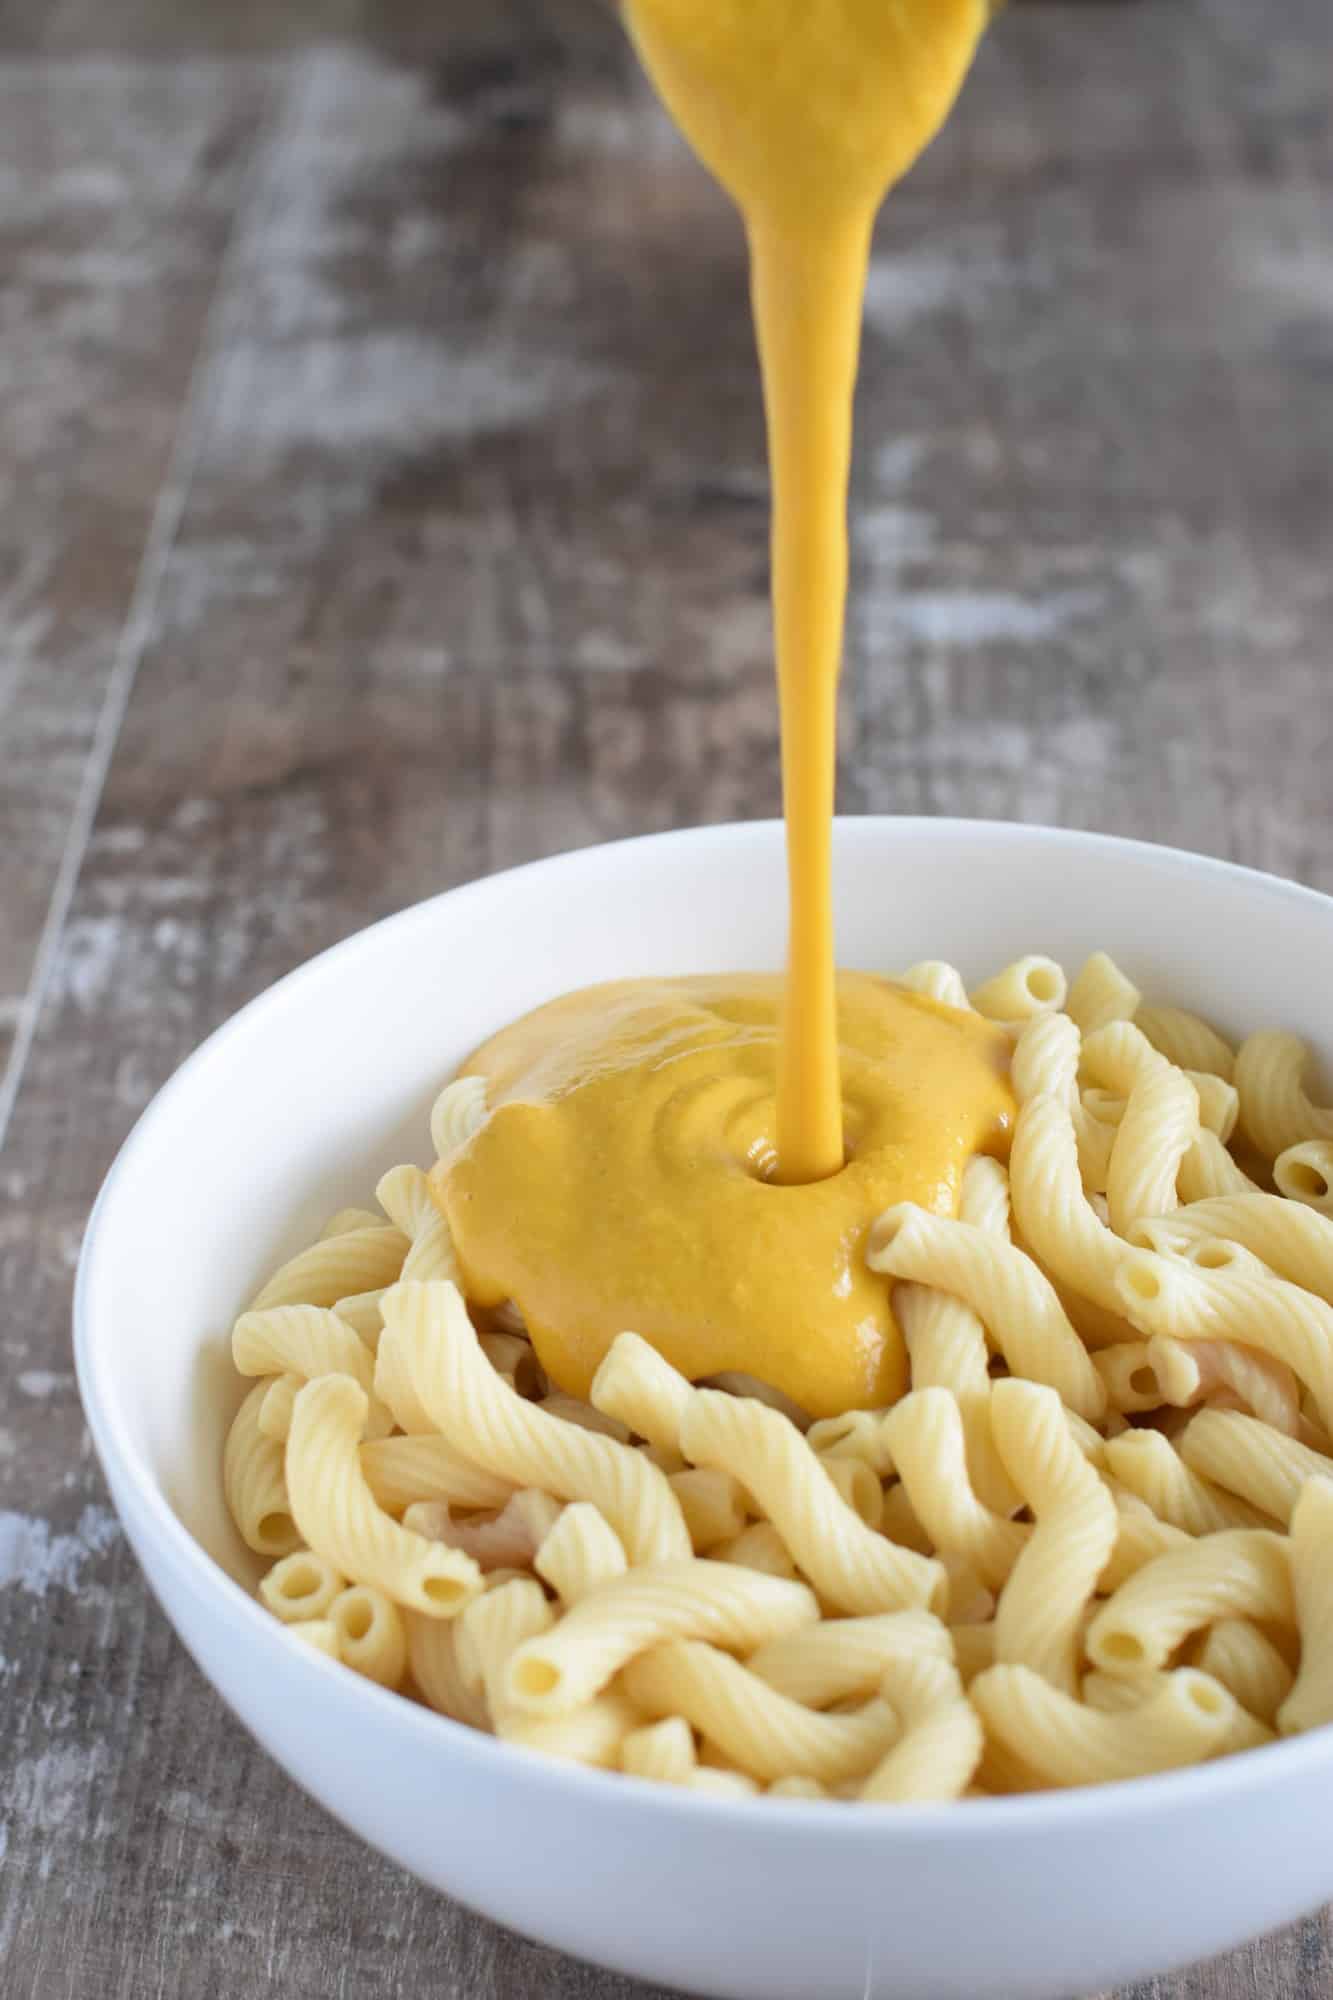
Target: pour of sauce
[
  {"x": 624, "y": 1178},
  {"x": 700, "y": 1159}
]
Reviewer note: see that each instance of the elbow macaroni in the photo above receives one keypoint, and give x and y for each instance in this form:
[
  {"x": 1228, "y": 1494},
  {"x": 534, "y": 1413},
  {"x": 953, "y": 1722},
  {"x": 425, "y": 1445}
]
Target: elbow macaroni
[{"x": 996, "y": 1584}]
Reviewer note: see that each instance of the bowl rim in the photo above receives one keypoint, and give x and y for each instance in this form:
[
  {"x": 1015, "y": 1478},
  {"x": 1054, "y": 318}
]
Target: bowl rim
[{"x": 1047, "y": 1812}]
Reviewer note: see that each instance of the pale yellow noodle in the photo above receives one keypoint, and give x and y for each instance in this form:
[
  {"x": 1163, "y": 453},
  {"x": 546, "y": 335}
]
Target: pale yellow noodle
[
  {"x": 858, "y": 1434},
  {"x": 1101, "y": 992},
  {"x": 581, "y": 1553},
  {"x": 940, "y": 1748},
  {"x": 1003, "y": 1287},
  {"x": 1149, "y": 1465},
  {"x": 344, "y": 1220},
  {"x": 759, "y": 1546},
  {"x": 275, "y": 1412},
  {"x": 858, "y": 1486},
  {"x": 1031, "y": 985},
  {"x": 1039, "y": 1615},
  {"x": 1294, "y": 1241},
  {"x": 560, "y": 1669},
  {"x": 946, "y": 1342},
  {"x": 925, "y": 1435},
  {"x": 1191, "y": 1371},
  {"x": 404, "y": 1195},
  {"x": 1275, "y": 1110},
  {"x": 1252, "y": 1460},
  {"x": 761, "y": 1731},
  {"x": 589, "y": 1735},
  {"x": 839, "y": 1658},
  {"x": 1051, "y": 1208},
  {"x": 662, "y": 1751},
  {"x": 490, "y": 1631},
  {"x": 475, "y": 1410},
  {"x": 338, "y": 1517},
  {"x": 940, "y": 981},
  {"x": 848, "y": 1563},
  {"x": 433, "y": 1659},
  {"x": 1208, "y": 1171},
  {"x": 302, "y": 1585},
  {"x": 319, "y": 1633},
  {"x": 356, "y": 1262},
  {"x": 1304, "y": 1173},
  {"x": 637, "y": 1386},
  {"x": 1310, "y": 1702},
  {"x": 457, "y": 1114},
  {"x": 1247, "y": 1662},
  {"x": 1186, "y": 1720},
  {"x": 255, "y": 1484},
  {"x": 1240, "y": 1301},
  {"x": 399, "y": 1470},
  {"x": 1186, "y": 1040},
  {"x": 1240, "y": 1573},
  {"x": 973, "y": 1649},
  {"x": 1139, "y": 1539},
  {"x": 361, "y": 1311},
  {"x": 307, "y": 1341},
  {"x": 371, "y": 1638}
]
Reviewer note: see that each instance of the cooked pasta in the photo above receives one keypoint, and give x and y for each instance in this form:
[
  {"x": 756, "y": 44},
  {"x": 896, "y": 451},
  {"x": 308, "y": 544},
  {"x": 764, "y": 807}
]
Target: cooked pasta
[
  {"x": 843, "y": 1657},
  {"x": 1032, "y": 985},
  {"x": 650, "y": 1604},
  {"x": 474, "y": 1409},
  {"x": 1247, "y": 1662},
  {"x": 1234, "y": 1297},
  {"x": 307, "y": 1341},
  {"x": 254, "y": 1481},
  {"x": 1186, "y": 1040},
  {"x": 490, "y": 1631},
  {"x": 301, "y": 1586},
  {"x": 848, "y": 1563},
  {"x": 925, "y": 1435},
  {"x": 355, "y": 1262},
  {"x": 1148, "y": 1464},
  {"x": 589, "y": 1735},
  {"x": 1039, "y": 1615},
  {"x": 663, "y": 1751},
  {"x": 1311, "y": 1699},
  {"x": 338, "y": 1517},
  {"x": 371, "y": 1637},
  {"x": 1101, "y": 993},
  {"x": 1238, "y": 1573},
  {"x": 1305, "y": 1173},
  {"x": 581, "y": 1552},
  {"x": 1275, "y": 1111},
  {"x": 1002, "y": 1286},
  {"x": 941, "y": 1742},
  {"x": 1093, "y": 1538},
  {"x": 937, "y": 980},
  {"x": 761, "y": 1731},
  {"x": 1062, "y": 1742},
  {"x": 1252, "y": 1460}
]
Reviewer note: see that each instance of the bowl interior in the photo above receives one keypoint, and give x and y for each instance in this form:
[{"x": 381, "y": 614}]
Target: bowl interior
[{"x": 297, "y": 1105}]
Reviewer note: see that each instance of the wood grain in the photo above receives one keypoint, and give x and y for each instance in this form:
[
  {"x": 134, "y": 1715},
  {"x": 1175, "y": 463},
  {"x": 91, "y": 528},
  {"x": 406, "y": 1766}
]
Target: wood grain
[{"x": 384, "y": 502}]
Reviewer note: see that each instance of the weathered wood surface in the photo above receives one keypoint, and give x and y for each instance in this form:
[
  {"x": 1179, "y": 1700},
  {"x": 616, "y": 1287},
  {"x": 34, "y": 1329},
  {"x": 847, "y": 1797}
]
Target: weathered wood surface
[{"x": 382, "y": 502}]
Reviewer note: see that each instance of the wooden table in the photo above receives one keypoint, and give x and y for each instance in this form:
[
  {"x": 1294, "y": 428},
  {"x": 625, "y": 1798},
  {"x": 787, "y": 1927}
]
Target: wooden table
[{"x": 382, "y": 501}]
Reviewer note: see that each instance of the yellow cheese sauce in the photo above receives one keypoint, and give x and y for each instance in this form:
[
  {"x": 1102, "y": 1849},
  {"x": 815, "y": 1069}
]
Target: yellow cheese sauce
[
  {"x": 700, "y": 1159},
  {"x": 624, "y": 1178}
]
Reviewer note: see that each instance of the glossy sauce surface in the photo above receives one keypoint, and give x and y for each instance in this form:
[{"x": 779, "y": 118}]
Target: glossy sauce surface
[
  {"x": 623, "y": 1178},
  {"x": 700, "y": 1160}
]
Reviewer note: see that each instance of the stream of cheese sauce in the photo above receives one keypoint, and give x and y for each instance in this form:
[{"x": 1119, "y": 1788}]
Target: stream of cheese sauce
[{"x": 700, "y": 1159}]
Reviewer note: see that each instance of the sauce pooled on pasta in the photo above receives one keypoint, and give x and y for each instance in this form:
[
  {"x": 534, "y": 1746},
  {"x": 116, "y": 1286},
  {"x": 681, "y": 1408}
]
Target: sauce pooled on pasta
[{"x": 700, "y": 1159}]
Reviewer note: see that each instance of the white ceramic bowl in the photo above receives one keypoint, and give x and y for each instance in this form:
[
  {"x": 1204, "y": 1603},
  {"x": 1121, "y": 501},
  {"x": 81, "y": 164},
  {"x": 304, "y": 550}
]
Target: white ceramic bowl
[{"x": 295, "y": 1107}]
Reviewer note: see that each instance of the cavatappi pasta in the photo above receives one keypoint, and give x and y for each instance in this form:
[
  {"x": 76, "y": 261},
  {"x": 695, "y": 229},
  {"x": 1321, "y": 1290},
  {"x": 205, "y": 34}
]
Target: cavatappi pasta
[{"x": 1093, "y": 1540}]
